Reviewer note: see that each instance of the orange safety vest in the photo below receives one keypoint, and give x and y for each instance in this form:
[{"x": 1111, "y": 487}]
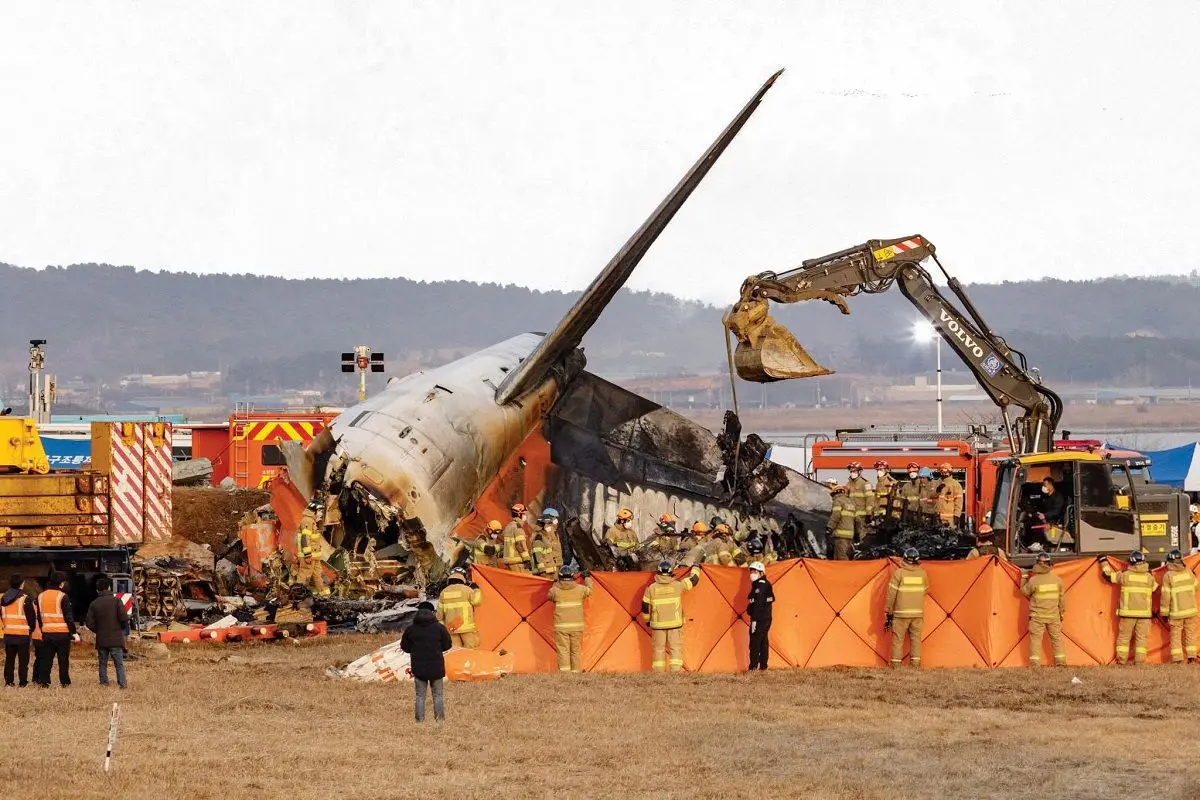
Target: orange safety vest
[
  {"x": 15, "y": 623},
  {"x": 50, "y": 608}
]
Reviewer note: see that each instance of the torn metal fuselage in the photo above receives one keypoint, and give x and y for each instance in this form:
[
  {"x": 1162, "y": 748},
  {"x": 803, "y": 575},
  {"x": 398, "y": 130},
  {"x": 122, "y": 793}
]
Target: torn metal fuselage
[{"x": 410, "y": 461}]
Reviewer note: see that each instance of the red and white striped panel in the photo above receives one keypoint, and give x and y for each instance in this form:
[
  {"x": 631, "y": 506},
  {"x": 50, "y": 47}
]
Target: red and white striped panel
[
  {"x": 127, "y": 601},
  {"x": 908, "y": 244},
  {"x": 157, "y": 482},
  {"x": 126, "y": 489},
  {"x": 100, "y": 510}
]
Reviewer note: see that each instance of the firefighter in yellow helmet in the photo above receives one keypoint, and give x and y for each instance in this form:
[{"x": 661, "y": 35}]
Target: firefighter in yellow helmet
[
  {"x": 516, "y": 541},
  {"x": 985, "y": 544},
  {"x": 568, "y": 597},
  {"x": 948, "y": 496},
  {"x": 486, "y": 548},
  {"x": 906, "y": 607},
  {"x": 861, "y": 499},
  {"x": 662, "y": 610},
  {"x": 1136, "y": 604},
  {"x": 546, "y": 546},
  {"x": 841, "y": 524},
  {"x": 722, "y": 549},
  {"x": 887, "y": 503},
  {"x": 1047, "y": 605},
  {"x": 624, "y": 540},
  {"x": 456, "y": 608},
  {"x": 1178, "y": 607},
  {"x": 695, "y": 542},
  {"x": 666, "y": 545},
  {"x": 306, "y": 531}
]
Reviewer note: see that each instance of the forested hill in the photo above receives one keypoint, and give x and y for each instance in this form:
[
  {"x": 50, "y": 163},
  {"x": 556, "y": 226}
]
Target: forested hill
[{"x": 105, "y": 321}]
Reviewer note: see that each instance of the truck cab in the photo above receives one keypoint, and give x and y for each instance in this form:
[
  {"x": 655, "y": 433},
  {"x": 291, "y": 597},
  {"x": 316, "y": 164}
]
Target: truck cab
[{"x": 1108, "y": 505}]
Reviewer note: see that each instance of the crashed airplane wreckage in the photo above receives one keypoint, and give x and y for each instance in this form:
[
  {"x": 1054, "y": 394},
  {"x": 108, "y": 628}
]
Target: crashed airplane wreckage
[{"x": 429, "y": 460}]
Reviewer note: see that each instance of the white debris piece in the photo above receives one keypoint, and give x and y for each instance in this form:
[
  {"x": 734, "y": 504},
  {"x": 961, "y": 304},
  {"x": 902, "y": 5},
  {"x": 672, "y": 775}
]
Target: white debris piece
[
  {"x": 228, "y": 621},
  {"x": 388, "y": 663}
]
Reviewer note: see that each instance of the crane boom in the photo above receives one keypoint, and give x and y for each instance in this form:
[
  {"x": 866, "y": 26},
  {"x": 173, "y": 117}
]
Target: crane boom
[{"x": 767, "y": 351}]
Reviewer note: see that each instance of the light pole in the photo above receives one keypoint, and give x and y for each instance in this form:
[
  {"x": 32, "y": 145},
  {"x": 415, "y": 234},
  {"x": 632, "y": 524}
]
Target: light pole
[
  {"x": 363, "y": 360},
  {"x": 924, "y": 332}
]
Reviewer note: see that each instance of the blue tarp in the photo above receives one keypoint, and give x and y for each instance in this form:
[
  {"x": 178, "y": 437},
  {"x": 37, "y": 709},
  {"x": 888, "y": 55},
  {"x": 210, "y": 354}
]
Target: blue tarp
[
  {"x": 1179, "y": 466},
  {"x": 67, "y": 453}
]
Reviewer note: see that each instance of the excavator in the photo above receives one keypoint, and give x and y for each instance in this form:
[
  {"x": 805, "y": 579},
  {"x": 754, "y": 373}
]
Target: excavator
[{"x": 1112, "y": 505}]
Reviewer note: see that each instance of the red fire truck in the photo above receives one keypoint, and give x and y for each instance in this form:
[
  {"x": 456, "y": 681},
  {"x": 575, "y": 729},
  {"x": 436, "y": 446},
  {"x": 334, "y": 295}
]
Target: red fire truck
[{"x": 247, "y": 447}]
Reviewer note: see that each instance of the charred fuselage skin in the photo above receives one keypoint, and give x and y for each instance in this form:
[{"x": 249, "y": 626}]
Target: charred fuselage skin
[{"x": 421, "y": 451}]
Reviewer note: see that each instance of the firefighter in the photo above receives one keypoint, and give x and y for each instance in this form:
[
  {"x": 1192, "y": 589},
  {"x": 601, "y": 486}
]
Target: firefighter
[
  {"x": 18, "y": 620},
  {"x": 985, "y": 544},
  {"x": 1178, "y": 607},
  {"x": 54, "y": 632},
  {"x": 915, "y": 495},
  {"x": 309, "y": 574},
  {"x": 1047, "y": 605},
  {"x": 1137, "y": 602},
  {"x": 841, "y": 525},
  {"x": 885, "y": 501},
  {"x": 665, "y": 545},
  {"x": 948, "y": 497},
  {"x": 568, "y": 596},
  {"x": 759, "y": 605},
  {"x": 722, "y": 549},
  {"x": 758, "y": 549},
  {"x": 486, "y": 548},
  {"x": 861, "y": 497},
  {"x": 662, "y": 610},
  {"x": 306, "y": 531},
  {"x": 516, "y": 541},
  {"x": 546, "y": 548},
  {"x": 906, "y": 607},
  {"x": 456, "y": 608},
  {"x": 695, "y": 542},
  {"x": 624, "y": 540}
]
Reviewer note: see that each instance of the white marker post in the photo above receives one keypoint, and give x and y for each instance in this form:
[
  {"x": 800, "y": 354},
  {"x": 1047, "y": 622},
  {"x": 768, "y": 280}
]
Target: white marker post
[{"x": 112, "y": 736}]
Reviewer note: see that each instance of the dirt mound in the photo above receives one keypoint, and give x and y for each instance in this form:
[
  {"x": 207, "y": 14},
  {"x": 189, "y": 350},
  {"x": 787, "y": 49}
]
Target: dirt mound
[{"x": 210, "y": 515}]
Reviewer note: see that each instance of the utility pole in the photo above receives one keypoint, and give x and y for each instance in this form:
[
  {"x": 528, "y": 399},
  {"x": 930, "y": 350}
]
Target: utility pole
[{"x": 363, "y": 360}]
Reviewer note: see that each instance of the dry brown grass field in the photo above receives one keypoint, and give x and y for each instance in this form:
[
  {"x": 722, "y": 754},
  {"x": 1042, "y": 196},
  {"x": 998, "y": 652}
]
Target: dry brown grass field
[{"x": 261, "y": 721}]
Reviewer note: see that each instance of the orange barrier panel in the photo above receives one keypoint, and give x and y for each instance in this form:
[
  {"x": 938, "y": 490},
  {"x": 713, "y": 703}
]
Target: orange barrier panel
[{"x": 827, "y": 613}]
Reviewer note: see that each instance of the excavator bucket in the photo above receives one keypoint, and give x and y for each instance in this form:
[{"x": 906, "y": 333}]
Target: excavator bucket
[{"x": 766, "y": 350}]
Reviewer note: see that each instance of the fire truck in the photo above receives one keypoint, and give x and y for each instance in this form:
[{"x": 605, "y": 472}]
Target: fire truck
[{"x": 246, "y": 448}]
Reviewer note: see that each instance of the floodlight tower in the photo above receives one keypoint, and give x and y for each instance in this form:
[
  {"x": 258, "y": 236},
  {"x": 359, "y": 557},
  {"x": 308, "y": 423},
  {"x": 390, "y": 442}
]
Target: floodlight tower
[
  {"x": 363, "y": 360},
  {"x": 41, "y": 392}
]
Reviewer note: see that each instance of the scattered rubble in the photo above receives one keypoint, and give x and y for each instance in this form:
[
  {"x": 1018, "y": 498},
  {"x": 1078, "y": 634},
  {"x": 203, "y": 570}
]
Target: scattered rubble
[{"x": 935, "y": 542}]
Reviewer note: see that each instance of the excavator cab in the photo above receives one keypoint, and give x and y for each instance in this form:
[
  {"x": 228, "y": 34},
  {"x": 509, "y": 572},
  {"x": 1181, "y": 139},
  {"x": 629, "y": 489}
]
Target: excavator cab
[{"x": 1102, "y": 508}]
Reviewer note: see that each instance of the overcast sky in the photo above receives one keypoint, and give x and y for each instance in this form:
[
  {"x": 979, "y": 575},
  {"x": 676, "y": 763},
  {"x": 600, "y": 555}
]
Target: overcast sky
[{"x": 522, "y": 142}]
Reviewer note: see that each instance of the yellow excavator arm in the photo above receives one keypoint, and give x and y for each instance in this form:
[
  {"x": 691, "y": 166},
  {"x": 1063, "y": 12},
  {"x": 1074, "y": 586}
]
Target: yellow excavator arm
[{"x": 767, "y": 351}]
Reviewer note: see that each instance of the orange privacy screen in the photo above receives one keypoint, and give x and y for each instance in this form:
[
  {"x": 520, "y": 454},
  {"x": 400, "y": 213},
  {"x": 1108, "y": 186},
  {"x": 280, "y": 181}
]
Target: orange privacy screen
[{"x": 826, "y": 613}]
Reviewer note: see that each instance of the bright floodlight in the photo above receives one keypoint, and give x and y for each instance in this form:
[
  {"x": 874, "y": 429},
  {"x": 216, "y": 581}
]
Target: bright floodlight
[{"x": 924, "y": 331}]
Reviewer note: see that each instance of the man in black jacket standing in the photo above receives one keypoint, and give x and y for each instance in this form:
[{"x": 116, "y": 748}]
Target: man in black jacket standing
[
  {"x": 762, "y": 598},
  {"x": 107, "y": 618},
  {"x": 425, "y": 641}
]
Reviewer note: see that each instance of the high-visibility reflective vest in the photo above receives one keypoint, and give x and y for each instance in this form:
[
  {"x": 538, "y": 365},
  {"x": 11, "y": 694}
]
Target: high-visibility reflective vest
[
  {"x": 15, "y": 623},
  {"x": 457, "y": 604},
  {"x": 1179, "y": 592},
  {"x": 841, "y": 521},
  {"x": 1046, "y": 595},
  {"x": 1137, "y": 592},
  {"x": 885, "y": 497},
  {"x": 543, "y": 556},
  {"x": 50, "y": 610}
]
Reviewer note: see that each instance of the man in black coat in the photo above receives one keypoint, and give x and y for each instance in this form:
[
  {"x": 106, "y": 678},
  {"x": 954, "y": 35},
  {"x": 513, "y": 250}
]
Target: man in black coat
[
  {"x": 425, "y": 641},
  {"x": 20, "y": 620},
  {"x": 107, "y": 618},
  {"x": 762, "y": 598}
]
